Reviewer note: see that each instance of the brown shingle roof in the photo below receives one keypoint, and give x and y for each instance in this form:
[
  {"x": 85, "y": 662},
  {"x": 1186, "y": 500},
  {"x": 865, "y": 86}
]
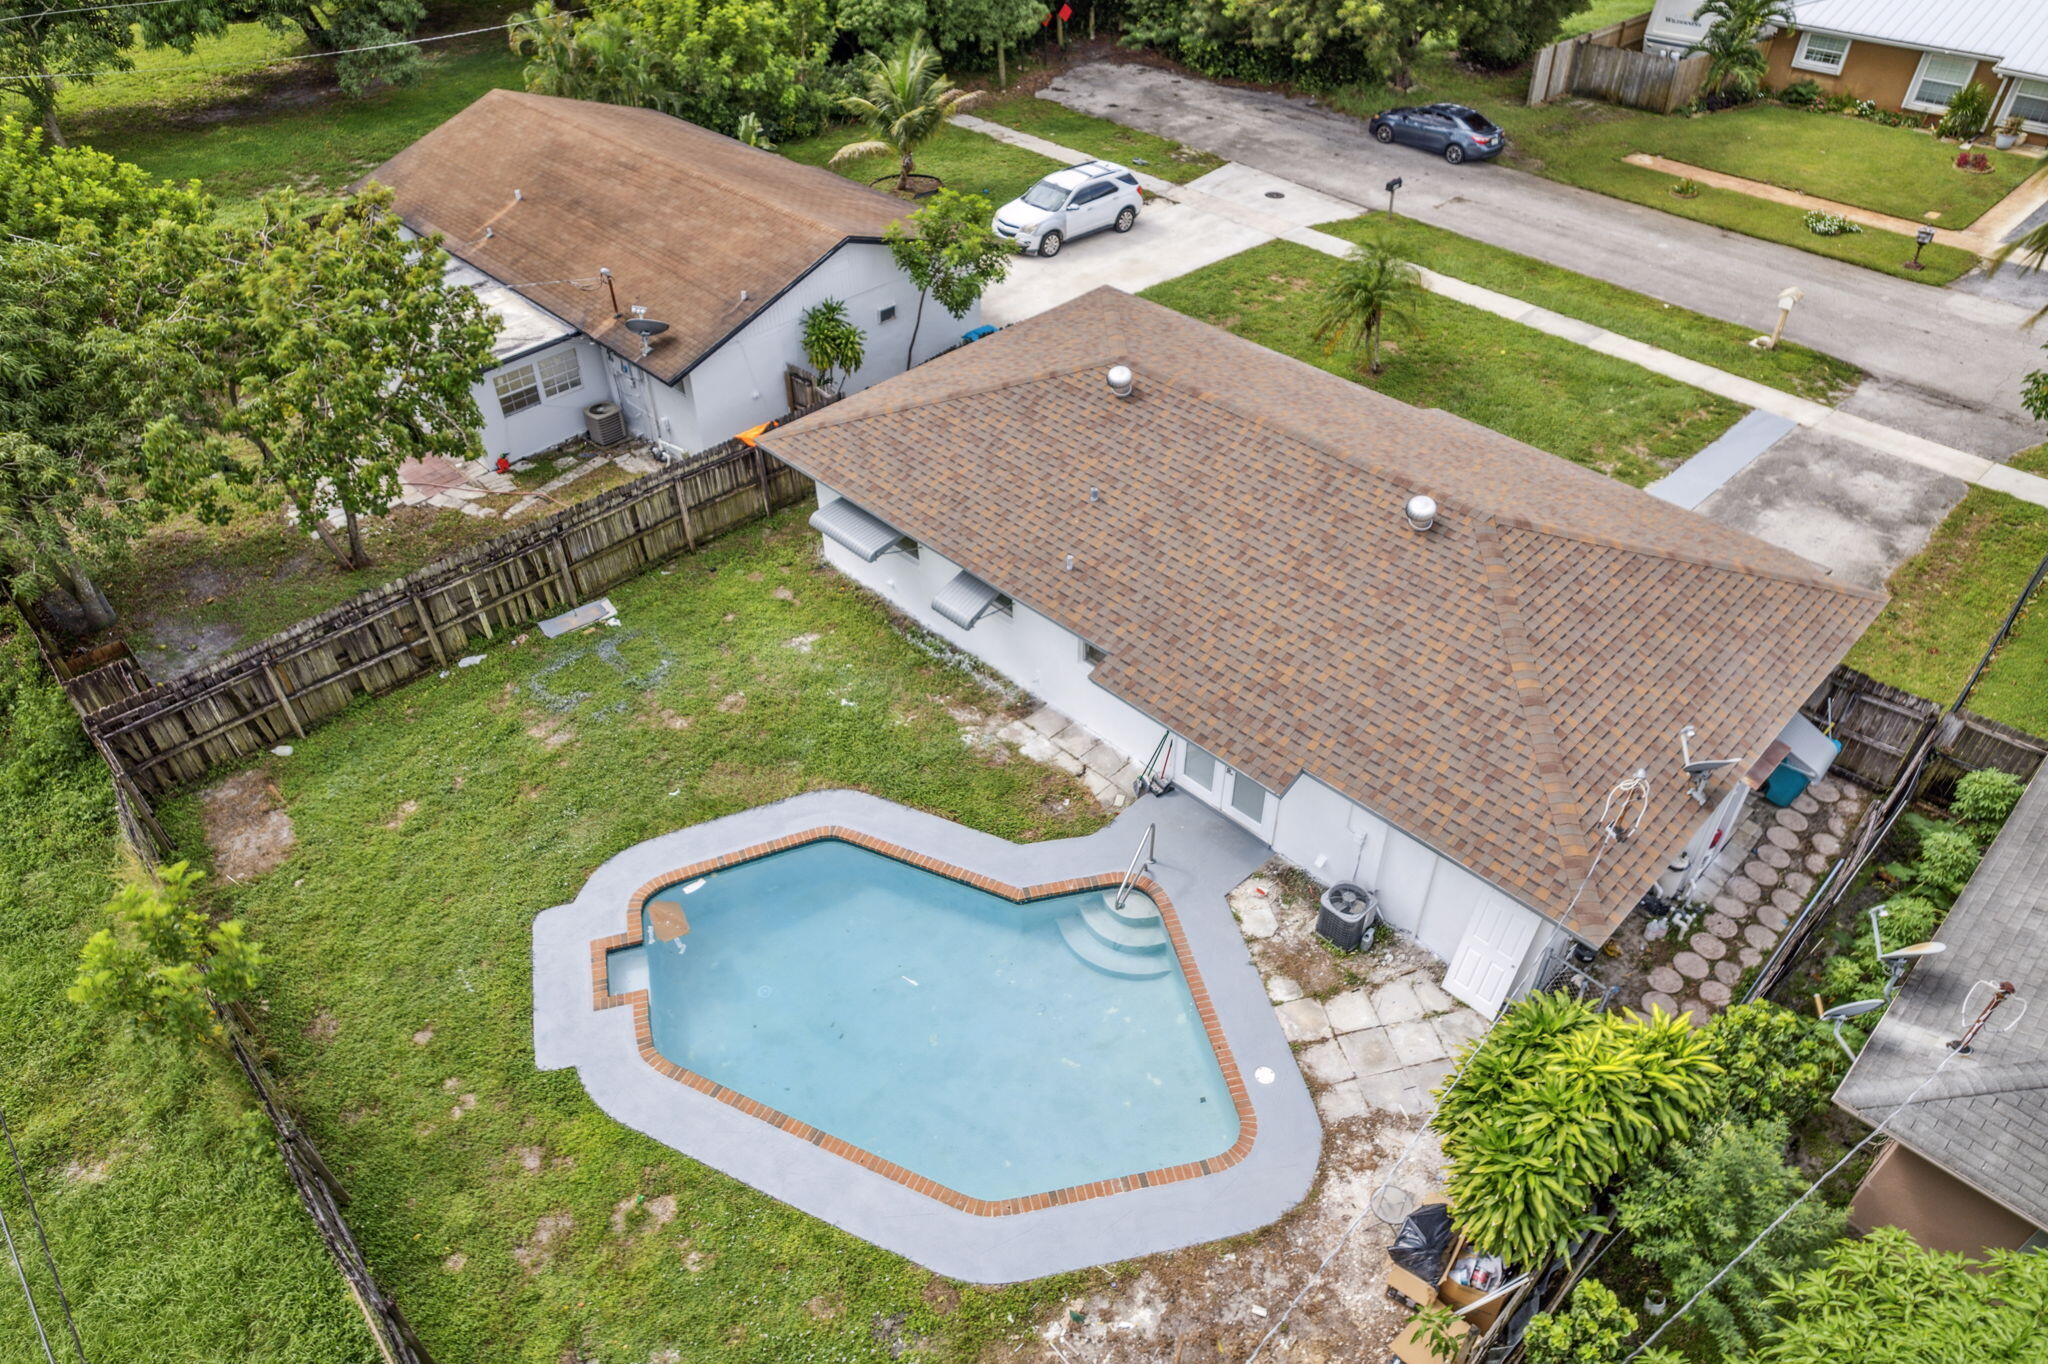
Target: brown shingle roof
[
  {"x": 1251, "y": 577},
  {"x": 685, "y": 218}
]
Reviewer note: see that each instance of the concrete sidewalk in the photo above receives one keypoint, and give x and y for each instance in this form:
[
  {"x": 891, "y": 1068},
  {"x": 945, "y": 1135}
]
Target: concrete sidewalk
[{"x": 1244, "y": 198}]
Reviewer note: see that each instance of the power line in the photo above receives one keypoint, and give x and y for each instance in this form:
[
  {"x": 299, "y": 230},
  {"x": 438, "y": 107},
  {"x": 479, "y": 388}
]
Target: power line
[
  {"x": 42, "y": 1236},
  {"x": 7, "y": 1234},
  {"x": 86, "y": 9},
  {"x": 301, "y": 57}
]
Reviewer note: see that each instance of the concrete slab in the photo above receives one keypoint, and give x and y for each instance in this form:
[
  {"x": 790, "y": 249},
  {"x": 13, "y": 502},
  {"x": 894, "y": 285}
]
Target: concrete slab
[
  {"x": 1201, "y": 857},
  {"x": 1416, "y": 1043},
  {"x": 1303, "y": 1020},
  {"x": 1169, "y": 240},
  {"x": 1397, "y": 1002},
  {"x": 1700, "y": 477},
  {"x": 1368, "y": 1052},
  {"x": 1351, "y": 1011}
]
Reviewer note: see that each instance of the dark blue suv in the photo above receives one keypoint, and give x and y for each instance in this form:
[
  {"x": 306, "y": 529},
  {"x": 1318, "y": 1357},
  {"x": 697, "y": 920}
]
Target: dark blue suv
[{"x": 1460, "y": 134}]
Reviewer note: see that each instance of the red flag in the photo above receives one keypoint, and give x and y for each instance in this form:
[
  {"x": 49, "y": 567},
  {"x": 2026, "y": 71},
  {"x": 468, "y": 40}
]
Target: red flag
[{"x": 1066, "y": 13}]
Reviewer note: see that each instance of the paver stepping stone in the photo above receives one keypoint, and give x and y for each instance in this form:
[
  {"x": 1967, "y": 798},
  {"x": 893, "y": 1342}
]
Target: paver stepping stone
[
  {"x": 1390, "y": 1090},
  {"x": 1825, "y": 791},
  {"x": 1732, "y": 907},
  {"x": 1397, "y": 1002},
  {"x": 1425, "y": 1078},
  {"x": 1781, "y": 836},
  {"x": 1727, "y": 972},
  {"x": 1341, "y": 1101},
  {"x": 1363, "y": 1053},
  {"x": 1744, "y": 889},
  {"x": 1714, "y": 992},
  {"x": 1827, "y": 845},
  {"x": 1351, "y": 1011},
  {"x": 1838, "y": 825},
  {"x": 1748, "y": 957},
  {"x": 1720, "y": 925},
  {"x": 1792, "y": 822},
  {"x": 1326, "y": 1064},
  {"x": 1805, "y": 804},
  {"x": 1762, "y": 873},
  {"x": 1691, "y": 965},
  {"x": 1816, "y": 864},
  {"x": 1761, "y": 938},
  {"x": 1666, "y": 981},
  {"x": 1774, "y": 857},
  {"x": 1458, "y": 1027},
  {"x": 1303, "y": 1020},
  {"x": 1693, "y": 1012},
  {"x": 1433, "y": 999},
  {"x": 1709, "y": 946},
  {"x": 1280, "y": 989},
  {"x": 1773, "y": 918},
  {"x": 1416, "y": 1043},
  {"x": 1786, "y": 901},
  {"x": 1798, "y": 882},
  {"x": 1657, "y": 999}
]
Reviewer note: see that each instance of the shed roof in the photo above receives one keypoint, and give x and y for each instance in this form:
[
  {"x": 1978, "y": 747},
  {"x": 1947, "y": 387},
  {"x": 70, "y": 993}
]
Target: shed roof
[
  {"x": 1249, "y": 574},
  {"x": 2011, "y": 33},
  {"x": 540, "y": 192},
  {"x": 1984, "y": 1119}
]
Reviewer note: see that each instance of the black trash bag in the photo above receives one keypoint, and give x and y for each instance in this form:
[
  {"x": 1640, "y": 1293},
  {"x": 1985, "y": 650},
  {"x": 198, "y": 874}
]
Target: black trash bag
[{"x": 1424, "y": 1242}]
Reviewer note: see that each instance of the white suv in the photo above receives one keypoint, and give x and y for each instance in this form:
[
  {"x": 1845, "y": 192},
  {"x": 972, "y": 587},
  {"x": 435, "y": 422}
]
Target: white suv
[{"x": 1071, "y": 203}]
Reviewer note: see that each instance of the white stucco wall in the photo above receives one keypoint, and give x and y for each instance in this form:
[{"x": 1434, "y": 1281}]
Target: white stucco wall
[
  {"x": 556, "y": 419},
  {"x": 1421, "y": 892}
]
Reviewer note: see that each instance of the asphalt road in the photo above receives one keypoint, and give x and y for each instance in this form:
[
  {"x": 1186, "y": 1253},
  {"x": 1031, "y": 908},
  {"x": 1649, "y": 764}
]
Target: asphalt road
[{"x": 1946, "y": 364}]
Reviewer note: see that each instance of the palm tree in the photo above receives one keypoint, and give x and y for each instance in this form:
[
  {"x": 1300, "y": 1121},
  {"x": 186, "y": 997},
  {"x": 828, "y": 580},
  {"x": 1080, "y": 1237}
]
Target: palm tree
[
  {"x": 908, "y": 101},
  {"x": 1373, "y": 287},
  {"x": 1733, "y": 44}
]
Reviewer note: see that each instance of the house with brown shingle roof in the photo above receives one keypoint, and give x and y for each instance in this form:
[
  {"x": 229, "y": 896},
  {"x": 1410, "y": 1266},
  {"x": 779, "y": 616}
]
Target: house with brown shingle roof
[
  {"x": 571, "y": 219},
  {"x": 1217, "y": 565}
]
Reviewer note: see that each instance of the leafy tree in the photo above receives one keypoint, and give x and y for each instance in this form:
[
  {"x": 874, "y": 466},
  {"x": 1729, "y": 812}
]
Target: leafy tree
[
  {"x": 70, "y": 221},
  {"x": 906, "y": 102},
  {"x": 338, "y": 25},
  {"x": 1966, "y": 112},
  {"x": 1948, "y": 859},
  {"x": 1775, "y": 1063},
  {"x": 953, "y": 255},
  {"x": 1591, "y": 1331},
  {"x": 1505, "y": 33},
  {"x": 42, "y": 37},
  {"x": 313, "y": 356},
  {"x": 952, "y": 25},
  {"x": 1984, "y": 800},
  {"x": 1735, "y": 30},
  {"x": 1884, "y": 1300},
  {"x": 1373, "y": 287},
  {"x": 1694, "y": 1211},
  {"x": 831, "y": 341},
  {"x": 748, "y": 132},
  {"x": 710, "y": 61},
  {"x": 1554, "y": 1103},
  {"x": 162, "y": 961}
]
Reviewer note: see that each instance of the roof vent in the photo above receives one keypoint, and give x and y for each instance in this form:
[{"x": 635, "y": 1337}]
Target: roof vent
[
  {"x": 1121, "y": 380},
  {"x": 1421, "y": 512}
]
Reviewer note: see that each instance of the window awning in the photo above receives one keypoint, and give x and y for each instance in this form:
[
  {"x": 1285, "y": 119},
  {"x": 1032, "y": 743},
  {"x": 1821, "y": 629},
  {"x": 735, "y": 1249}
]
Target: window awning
[
  {"x": 853, "y": 528},
  {"x": 965, "y": 600}
]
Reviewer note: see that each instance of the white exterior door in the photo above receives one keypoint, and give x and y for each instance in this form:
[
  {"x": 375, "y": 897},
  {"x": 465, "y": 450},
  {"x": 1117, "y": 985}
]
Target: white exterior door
[
  {"x": 1230, "y": 791},
  {"x": 1482, "y": 970}
]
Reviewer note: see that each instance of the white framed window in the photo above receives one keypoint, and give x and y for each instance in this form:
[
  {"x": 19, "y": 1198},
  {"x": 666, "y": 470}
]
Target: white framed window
[
  {"x": 518, "y": 389},
  {"x": 1941, "y": 74},
  {"x": 1821, "y": 52},
  {"x": 2030, "y": 102},
  {"x": 560, "y": 373}
]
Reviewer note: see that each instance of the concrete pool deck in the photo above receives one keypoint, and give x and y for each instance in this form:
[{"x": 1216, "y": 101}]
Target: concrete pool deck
[{"x": 1201, "y": 857}]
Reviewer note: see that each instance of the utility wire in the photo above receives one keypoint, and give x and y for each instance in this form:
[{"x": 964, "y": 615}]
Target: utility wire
[
  {"x": 86, "y": 9},
  {"x": 301, "y": 57},
  {"x": 7, "y": 1234},
  {"x": 42, "y": 1236}
]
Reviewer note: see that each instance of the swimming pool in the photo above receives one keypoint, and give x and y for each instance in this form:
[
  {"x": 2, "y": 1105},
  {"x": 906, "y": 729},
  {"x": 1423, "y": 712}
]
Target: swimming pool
[{"x": 998, "y": 1049}]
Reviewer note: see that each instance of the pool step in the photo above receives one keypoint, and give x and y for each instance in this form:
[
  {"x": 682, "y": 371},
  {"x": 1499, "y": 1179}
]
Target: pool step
[
  {"x": 1116, "y": 931},
  {"x": 1114, "y": 961},
  {"x": 1138, "y": 909}
]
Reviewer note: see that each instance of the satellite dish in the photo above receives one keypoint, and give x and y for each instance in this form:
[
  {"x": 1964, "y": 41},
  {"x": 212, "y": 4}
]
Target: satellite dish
[
  {"x": 645, "y": 326},
  {"x": 1855, "y": 1008},
  {"x": 1915, "y": 952}
]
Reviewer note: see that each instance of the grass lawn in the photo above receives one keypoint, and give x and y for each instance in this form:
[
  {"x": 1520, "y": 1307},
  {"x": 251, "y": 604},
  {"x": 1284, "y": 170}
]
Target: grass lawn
[
  {"x": 1163, "y": 157},
  {"x": 1724, "y": 345},
  {"x": 1581, "y": 142},
  {"x": 1601, "y": 14},
  {"x": 495, "y": 1201},
  {"x": 176, "y": 1232},
  {"x": 1949, "y": 599},
  {"x": 1592, "y": 409},
  {"x": 970, "y": 162}
]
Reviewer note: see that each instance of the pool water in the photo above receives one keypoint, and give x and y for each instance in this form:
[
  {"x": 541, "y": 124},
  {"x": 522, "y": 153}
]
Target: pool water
[{"x": 999, "y": 1049}]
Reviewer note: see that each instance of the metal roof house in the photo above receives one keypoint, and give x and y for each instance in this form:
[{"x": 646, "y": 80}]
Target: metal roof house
[
  {"x": 1212, "y": 560},
  {"x": 573, "y": 219},
  {"x": 1968, "y": 1170}
]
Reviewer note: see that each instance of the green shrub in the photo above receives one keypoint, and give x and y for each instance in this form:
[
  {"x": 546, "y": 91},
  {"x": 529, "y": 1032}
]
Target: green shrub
[
  {"x": 1948, "y": 858},
  {"x": 1776, "y": 1064},
  {"x": 1984, "y": 800},
  {"x": 1968, "y": 110},
  {"x": 1801, "y": 94},
  {"x": 1851, "y": 975},
  {"x": 1591, "y": 1331},
  {"x": 1908, "y": 919},
  {"x": 1553, "y": 1104}
]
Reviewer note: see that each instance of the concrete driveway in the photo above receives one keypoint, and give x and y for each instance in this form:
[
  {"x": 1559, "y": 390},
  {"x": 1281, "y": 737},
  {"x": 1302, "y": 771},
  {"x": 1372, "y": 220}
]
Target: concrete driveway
[{"x": 1946, "y": 364}]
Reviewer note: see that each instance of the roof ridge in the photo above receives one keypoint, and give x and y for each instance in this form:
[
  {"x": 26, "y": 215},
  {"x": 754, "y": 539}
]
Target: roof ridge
[
  {"x": 1817, "y": 578},
  {"x": 1553, "y": 777},
  {"x": 838, "y": 415}
]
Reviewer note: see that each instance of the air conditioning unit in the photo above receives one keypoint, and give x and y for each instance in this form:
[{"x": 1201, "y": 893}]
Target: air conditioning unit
[{"x": 604, "y": 423}]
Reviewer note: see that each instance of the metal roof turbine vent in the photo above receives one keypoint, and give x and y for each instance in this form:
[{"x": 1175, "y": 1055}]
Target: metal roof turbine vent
[
  {"x": 1421, "y": 512},
  {"x": 1121, "y": 381}
]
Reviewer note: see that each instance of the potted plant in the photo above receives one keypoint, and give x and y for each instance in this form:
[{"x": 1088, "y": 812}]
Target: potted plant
[{"x": 2008, "y": 133}]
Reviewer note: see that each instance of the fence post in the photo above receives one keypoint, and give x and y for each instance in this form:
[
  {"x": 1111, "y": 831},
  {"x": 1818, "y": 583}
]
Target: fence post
[
  {"x": 761, "y": 479},
  {"x": 683, "y": 510},
  {"x": 285, "y": 702},
  {"x": 419, "y": 609},
  {"x": 571, "y": 593}
]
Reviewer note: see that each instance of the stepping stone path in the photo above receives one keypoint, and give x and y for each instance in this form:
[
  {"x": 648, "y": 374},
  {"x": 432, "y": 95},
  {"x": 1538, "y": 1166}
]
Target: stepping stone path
[
  {"x": 1691, "y": 965},
  {"x": 1776, "y": 858},
  {"x": 1748, "y": 957},
  {"x": 1780, "y": 836},
  {"x": 1720, "y": 925},
  {"x": 1714, "y": 993},
  {"x": 1657, "y": 999},
  {"x": 1816, "y": 864},
  {"x": 1727, "y": 972},
  {"x": 1666, "y": 981},
  {"x": 1694, "y": 1012},
  {"x": 1743, "y": 889},
  {"x": 1763, "y": 873},
  {"x": 1732, "y": 907},
  {"x": 1827, "y": 845},
  {"x": 1709, "y": 946},
  {"x": 1761, "y": 938},
  {"x": 1792, "y": 822},
  {"x": 1786, "y": 901},
  {"x": 1805, "y": 804},
  {"x": 1799, "y": 883},
  {"x": 1772, "y": 918}
]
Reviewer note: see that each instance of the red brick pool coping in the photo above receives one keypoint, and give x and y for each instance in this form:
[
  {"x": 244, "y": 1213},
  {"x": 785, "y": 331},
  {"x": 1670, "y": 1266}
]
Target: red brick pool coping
[{"x": 643, "y": 1030}]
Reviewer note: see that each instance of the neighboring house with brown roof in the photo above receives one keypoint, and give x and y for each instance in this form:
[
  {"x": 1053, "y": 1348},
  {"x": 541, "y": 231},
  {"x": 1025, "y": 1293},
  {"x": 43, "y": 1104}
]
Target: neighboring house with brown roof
[
  {"x": 1221, "y": 562},
  {"x": 537, "y": 198},
  {"x": 1968, "y": 1167}
]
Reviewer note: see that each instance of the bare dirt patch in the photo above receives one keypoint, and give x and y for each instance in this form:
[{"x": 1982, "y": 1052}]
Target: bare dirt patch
[
  {"x": 536, "y": 1252},
  {"x": 553, "y": 731},
  {"x": 323, "y": 1027},
  {"x": 405, "y": 810},
  {"x": 246, "y": 825},
  {"x": 826, "y": 1306}
]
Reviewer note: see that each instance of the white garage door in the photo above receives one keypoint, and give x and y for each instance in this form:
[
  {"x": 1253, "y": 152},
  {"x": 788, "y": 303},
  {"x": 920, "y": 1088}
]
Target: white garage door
[{"x": 1496, "y": 940}]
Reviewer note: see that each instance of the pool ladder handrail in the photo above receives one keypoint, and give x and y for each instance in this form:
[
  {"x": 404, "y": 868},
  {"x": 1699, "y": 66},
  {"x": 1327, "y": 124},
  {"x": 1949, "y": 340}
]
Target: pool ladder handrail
[{"x": 1141, "y": 862}]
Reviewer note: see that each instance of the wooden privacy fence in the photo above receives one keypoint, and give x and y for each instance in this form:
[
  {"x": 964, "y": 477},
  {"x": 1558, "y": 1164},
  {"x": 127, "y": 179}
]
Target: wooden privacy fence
[
  {"x": 1609, "y": 65},
  {"x": 1880, "y": 727},
  {"x": 158, "y": 736}
]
